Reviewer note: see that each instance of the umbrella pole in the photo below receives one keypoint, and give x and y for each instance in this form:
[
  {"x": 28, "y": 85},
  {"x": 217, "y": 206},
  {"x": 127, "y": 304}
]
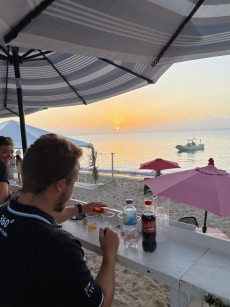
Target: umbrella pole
[
  {"x": 205, "y": 221},
  {"x": 19, "y": 96}
]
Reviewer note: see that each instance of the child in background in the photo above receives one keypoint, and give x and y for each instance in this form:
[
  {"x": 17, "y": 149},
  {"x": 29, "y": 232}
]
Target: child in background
[{"x": 11, "y": 168}]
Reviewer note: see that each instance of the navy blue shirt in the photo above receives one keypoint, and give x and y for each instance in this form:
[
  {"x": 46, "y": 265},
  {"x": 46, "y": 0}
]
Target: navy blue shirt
[
  {"x": 41, "y": 265},
  {"x": 4, "y": 173}
]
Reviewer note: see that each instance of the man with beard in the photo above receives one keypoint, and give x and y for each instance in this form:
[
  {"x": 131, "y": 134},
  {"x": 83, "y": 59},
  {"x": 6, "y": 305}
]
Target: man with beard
[
  {"x": 6, "y": 154},
  {"x": 42, "y": 265}
]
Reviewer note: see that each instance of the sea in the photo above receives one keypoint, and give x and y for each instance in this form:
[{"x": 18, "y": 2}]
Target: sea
[{"x": 121, "y": 154}]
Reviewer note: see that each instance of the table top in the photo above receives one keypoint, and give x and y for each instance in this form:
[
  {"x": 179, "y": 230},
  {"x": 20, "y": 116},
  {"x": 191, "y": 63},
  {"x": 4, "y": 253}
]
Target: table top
[
  {"x": 189, "y": 261},
  {"x": 168, "y": 264},
  {"x": 210, "y": 274}
]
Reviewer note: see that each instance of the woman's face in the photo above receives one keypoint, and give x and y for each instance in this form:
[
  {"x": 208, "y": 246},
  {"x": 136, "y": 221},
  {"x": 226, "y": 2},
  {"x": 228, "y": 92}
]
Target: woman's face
[{"x": 6, "y": 153}]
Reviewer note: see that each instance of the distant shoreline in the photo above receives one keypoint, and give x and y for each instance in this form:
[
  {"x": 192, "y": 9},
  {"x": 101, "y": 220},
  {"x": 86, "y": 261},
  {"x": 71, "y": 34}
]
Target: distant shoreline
[{"x": 131, "y": 175}]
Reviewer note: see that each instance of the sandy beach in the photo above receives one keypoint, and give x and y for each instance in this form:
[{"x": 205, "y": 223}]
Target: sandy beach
[{"x": 132, "y": 288}]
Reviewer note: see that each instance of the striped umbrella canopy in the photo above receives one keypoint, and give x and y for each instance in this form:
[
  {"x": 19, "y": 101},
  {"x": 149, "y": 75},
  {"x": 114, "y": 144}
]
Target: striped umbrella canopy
[
  {"x": 137, "y": 31},
  {"x": 33, "y": 80},
  {"x": 102, "y": 48},
  {"x": 52, "y": 79}
]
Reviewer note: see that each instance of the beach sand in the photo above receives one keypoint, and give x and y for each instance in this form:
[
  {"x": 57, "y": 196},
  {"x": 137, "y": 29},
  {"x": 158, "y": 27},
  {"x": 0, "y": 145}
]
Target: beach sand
[{"x": 132, "y": 288}]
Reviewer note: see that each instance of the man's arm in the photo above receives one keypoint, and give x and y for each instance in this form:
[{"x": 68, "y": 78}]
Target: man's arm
[
  {"x": 109, "y": 242},
  {"x": 72, "y": 211},
  {"x": 66, "y": 214},
  {"x": 4, "y": 192}
]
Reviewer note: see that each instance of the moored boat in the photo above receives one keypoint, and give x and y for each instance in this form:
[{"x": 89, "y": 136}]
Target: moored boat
[{"x": 191, "y": 146}]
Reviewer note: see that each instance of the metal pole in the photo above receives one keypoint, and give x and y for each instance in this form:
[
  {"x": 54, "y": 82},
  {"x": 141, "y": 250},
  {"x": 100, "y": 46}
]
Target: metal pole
[
  {"x": 112, "y": 153},
  {"x": 205, "y": 221},
  {"x": 16, "y": 63}
]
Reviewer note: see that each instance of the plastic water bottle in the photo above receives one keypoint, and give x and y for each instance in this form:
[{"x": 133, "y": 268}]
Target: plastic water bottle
[{"x": 130, "y": 224}]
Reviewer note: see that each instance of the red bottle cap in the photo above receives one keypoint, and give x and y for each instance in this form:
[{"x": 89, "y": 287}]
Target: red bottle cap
[{"x": 148, "y": 202}]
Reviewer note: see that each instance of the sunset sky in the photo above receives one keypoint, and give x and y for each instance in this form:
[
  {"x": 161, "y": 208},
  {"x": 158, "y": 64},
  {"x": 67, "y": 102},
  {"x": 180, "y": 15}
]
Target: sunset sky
[{"x": 191, "y": 95}]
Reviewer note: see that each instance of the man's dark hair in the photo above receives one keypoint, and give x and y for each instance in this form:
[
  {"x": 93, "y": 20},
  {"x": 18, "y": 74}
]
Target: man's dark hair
[
  {"x": 48, "y": 160},
  {"x": 7, "y": 141}
]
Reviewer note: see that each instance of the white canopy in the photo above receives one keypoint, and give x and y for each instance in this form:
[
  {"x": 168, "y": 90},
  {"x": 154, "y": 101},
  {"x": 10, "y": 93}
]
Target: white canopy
[{"x": 11, "y": 129}]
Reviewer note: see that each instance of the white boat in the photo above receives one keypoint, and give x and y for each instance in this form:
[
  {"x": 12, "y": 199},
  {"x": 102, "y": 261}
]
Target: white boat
[{"x": 190, "y": 146}]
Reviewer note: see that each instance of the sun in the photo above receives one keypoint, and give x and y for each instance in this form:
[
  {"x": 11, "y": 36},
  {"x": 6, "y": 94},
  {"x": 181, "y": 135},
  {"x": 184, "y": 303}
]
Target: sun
[{"x": 117, "y": 128}]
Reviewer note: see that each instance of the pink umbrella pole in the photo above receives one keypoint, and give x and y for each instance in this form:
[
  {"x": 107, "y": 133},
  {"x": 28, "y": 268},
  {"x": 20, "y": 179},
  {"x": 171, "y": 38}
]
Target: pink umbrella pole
[{"x": 204, "y": 228}]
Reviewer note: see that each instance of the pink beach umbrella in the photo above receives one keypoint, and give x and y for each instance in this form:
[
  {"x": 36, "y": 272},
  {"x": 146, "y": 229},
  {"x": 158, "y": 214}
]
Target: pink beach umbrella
[
  {"x": 159, "y": 165},
  {"x": 207, "y": 188}
]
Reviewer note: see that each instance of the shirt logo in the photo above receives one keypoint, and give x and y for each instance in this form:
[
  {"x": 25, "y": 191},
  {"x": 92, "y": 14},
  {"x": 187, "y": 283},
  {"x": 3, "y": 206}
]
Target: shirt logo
[
  {"x": 89, "y": 289},
  {"x": 4, "y": 222}
]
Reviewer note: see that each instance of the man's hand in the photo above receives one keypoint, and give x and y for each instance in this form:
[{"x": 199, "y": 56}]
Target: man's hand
[
  {"x": 72, "y": 211},
  {"x": 109, "y": 242},
  {"x": 89, "y": 207}
]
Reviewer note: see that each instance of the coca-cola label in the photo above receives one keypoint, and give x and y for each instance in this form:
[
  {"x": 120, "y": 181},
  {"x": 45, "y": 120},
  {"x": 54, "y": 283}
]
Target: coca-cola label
[{"x": 149, "y": 226}]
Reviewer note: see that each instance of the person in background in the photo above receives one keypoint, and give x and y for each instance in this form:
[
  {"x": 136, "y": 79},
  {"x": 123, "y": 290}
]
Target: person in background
[
  {"x": 6, "y": 154},
  {"x": 11, "y": 168},
  {"x": 19, "y": 166},
  {"x": 44, "y": 265},
  {"x": 158, "y": 173}
]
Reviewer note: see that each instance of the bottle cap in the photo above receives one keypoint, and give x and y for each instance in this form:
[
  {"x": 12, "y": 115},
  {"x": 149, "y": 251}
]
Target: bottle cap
[
  {"x": 129, "y": 201},
  {"x": 148, "y": 202}
]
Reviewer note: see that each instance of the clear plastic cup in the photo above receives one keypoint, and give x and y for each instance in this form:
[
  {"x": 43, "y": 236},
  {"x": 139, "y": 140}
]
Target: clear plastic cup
[
  {"x": 108, "y": 219},
  {"x": 139, "y": 223},
  {"x": 120, "y": 217},
  {"x": 162, "y": 205}
]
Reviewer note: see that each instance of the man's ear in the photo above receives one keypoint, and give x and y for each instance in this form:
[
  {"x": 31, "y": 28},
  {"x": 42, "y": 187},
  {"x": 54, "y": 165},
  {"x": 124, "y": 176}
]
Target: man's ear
[{"x": 60, "y": 185}]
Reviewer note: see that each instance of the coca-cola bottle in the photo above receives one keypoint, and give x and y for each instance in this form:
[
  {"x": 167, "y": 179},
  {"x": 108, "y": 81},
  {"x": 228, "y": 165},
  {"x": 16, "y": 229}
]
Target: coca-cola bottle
[{"x": 148, "y": 218}]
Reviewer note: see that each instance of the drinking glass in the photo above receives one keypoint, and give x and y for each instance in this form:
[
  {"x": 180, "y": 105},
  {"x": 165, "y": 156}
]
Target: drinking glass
[{"x": 92, "y": 220}]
